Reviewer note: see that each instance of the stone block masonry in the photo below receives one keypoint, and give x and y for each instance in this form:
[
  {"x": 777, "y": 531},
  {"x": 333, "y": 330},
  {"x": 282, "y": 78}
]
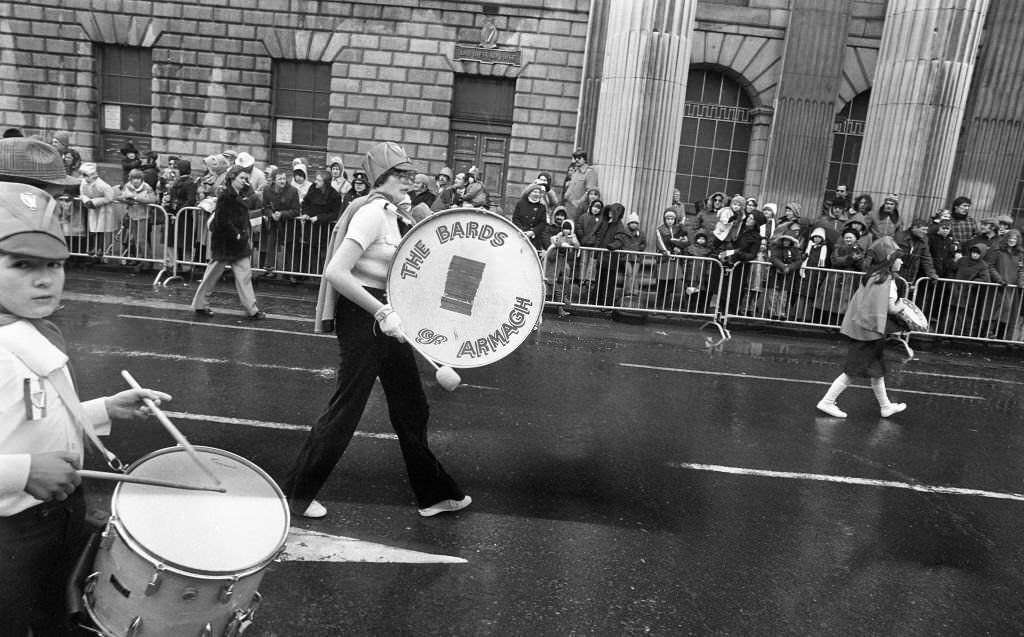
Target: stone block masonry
[{"x": 392, "y": 67}]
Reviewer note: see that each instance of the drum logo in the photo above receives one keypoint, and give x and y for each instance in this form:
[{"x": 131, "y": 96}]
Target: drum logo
[
  {"x": 461, "y": 285},
  {"x": 472, "y": 230},
  {"x": 427, "y": 336},
  {"x": 500, "y": 337},
  {"x": 412, "y": 263}
]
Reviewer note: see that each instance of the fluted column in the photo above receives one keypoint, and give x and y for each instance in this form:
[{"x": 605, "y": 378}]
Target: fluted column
[
  {"x": 796, "y": 166},
  {"x": 921, "y": 87},
  {"x": 991, "y": 157},
  {"x": 593, "y": 62},
  {"x": 640, "y": 110}
]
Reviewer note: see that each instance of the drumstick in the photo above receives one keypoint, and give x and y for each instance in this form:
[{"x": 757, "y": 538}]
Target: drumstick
[
  {"x": 169, "y": 426},
  {"x": 123, "y": 477},
  {"x": 446, "y": 377}
]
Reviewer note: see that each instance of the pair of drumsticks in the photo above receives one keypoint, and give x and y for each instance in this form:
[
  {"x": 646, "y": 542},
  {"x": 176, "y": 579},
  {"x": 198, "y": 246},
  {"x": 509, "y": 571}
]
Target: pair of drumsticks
[{"x": 178, "y": 437}]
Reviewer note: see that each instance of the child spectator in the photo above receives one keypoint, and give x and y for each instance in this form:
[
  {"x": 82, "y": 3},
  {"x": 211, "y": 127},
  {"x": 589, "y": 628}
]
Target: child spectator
[
  {"x": 560, "y": 257},
  {"x": 130, "y": 160},
  {"x": 137, "y": 195},
  {"x": 672, "y": 240},
  {"x": 698, "y": 273},
  {"x": 97, "y": 196},
  {"x": 944, "y": 250},
  {"x": 972, "y": 302},
  {"x": 631, "y": 240},
  {"x": 786, "y": 259}
]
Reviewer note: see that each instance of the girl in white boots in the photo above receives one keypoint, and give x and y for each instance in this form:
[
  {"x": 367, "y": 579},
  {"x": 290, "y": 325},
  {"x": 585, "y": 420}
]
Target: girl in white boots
[{"x": 865, "y": 326}]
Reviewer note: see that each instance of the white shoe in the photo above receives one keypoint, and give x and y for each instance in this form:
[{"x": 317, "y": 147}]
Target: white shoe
[
  {"x": 892, "y": 409},
  {"x": 446, "y": 506},
  {"x": 315, "y": 510},
  {"x": 831, "y": 409}
]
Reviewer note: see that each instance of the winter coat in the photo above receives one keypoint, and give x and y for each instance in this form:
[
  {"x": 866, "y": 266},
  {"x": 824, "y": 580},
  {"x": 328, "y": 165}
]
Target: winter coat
[
  {"x": 586, "y": 229},
  {"x": 182, "y": 194},
  {"x": 786, "y": 259},
  {"x": 574, "y": 195},
  {"x": 607, "y": 229},
  {"x": 917, "y": 257},
  {"x": 631, "y": 240},
  {"x": 230, "y": 230},
  {"x": 848, "y": 257},
  {"x": 1008, "y": 265},
  {"x": 476, "y": 195},
  {"x": 943, "y": 251},
  {"x": 285, "y": 201},
  {"x": 883, "y": 226},
  {"x": 137, "y": 200},
  {"x": 979, "y": 271},
  {"x": 322, "y": 203},
  {"x": 532, "y": 217}
]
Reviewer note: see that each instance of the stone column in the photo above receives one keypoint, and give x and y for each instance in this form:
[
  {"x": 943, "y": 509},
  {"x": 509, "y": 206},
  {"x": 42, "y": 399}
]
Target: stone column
[
  {"x": 796, "y": 166},
  {"x": 760, "y": 129},
  {"x": 991, "y": 157},
  {"x": 640, "y": 109},
  {"x": 921, "y": 87},
  {"x": 593, "y": 62}
]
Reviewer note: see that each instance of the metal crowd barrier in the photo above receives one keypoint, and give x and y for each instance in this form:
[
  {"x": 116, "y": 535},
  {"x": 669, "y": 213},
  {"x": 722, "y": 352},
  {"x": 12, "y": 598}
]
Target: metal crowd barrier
[
  {"x": 139, "y": 243},
  {"x": 971, "y": 310}
]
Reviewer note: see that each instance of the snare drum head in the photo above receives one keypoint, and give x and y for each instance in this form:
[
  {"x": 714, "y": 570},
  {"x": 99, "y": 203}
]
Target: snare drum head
[
  {"x": 468, "y": 286},
  {"x": 202, "y": 532}
]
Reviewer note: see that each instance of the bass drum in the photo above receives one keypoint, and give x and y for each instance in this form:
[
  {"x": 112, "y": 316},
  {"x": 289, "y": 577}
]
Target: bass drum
[
  {"x": 468, "y": 285},
  {"x": 174, "y": 562}
]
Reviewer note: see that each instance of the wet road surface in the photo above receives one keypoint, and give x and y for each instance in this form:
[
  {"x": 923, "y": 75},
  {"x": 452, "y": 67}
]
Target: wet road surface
[{"x": 625, "y": 479}]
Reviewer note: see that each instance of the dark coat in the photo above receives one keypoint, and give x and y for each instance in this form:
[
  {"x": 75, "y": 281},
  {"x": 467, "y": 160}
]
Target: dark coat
[
  {"x": 324, "y": 204},
  {"x": 532, "y": 217},
  {"x": 917, "y": 255},
  {"x": 230, "y": 230},
  {"x": 608, "y": 228}
]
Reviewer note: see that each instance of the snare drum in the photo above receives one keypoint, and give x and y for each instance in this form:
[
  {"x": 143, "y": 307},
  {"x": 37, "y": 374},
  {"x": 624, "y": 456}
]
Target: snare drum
[
  {"x": 174, "y": 562},
  {"x": 912, "y": 317},
  {"x": 468, "y": 285}
]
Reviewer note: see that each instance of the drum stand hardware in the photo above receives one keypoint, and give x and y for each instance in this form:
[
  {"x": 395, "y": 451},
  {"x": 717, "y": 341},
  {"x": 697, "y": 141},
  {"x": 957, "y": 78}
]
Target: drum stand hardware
[
  {"x": 154, "y": 583},
  {"x": 228, "y": 590}
]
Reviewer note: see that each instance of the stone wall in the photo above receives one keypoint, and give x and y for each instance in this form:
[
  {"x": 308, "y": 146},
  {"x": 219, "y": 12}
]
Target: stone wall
[{"x": 392, "y": 71}]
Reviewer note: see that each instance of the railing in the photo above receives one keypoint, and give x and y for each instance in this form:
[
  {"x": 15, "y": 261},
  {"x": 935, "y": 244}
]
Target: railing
[{"x": 643, "y": 282}]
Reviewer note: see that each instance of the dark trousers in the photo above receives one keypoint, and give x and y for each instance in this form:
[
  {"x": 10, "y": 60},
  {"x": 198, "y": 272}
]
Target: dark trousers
[
  {"x": 38, "y": 550},
  {"x": 367, "y": 354}
]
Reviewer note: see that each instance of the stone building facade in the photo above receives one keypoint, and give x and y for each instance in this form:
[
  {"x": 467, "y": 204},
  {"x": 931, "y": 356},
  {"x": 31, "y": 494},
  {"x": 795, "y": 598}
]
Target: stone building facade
[{"x": 777, "y": 99}]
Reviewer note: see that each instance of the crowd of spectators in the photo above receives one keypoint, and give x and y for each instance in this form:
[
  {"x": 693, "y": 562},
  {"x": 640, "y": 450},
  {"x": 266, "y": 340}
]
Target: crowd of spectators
[{"x": 764, "y": 249}]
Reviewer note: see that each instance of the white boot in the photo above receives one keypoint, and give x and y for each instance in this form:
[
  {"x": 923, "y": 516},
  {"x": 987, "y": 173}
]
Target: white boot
[
  {"x": 828, "y": 403},
  {"x": 885, "y": 406}
]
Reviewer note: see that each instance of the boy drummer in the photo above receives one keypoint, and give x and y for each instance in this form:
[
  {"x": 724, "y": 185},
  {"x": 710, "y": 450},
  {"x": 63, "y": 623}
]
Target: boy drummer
[{"x": 42, "y": 511}]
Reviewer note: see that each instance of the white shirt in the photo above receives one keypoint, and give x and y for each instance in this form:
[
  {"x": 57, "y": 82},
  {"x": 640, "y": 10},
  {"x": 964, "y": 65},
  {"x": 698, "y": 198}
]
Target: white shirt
[
  {"x": 37, "y": 422},
  {"x": 375, "y": 228}
]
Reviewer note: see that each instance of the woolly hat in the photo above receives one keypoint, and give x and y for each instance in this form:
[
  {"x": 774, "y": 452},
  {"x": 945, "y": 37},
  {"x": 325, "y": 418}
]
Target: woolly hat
[
  {"x": 29, "y": 224},
  {"x": 383, "y": 157},
  {"x": 772, "y": 207},
  {"x": 447, "y": 172},
  {"x": 87, "y": 169},
  {"x": 795, "y": 207},
  {"x": 891, "y": 197},
  {"x": 818, "y": 232},
  {"x": 632, "y": 218},
  {"x": 336, "y": 160},
  {"x": 28, "y": 160},
  {"x": 129, "y": 148}
]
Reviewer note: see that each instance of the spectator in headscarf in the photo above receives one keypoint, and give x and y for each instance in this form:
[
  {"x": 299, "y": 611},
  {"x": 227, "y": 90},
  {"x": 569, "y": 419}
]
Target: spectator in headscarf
[
  {"x": 424, "y": 190},
  {"x": 531, "y": 216}
]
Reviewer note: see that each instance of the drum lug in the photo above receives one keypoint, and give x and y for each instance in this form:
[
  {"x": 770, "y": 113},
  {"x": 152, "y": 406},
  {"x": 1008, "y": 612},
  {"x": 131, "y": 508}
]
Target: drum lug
[
  {"x": 189, "y": 593},
  {"x": 134, "y": 628},
  {"x": 107, "y": 536},
  {"x": 228, "y": 591},
  {"x": 154, "y": 583},
  {"x": 90, "y": 586},
  {"x": 207, "y": 631}
]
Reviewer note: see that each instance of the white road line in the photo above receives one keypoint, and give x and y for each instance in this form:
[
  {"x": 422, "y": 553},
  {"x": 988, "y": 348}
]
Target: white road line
[
  {"x": 323, "y": 372},
  {"x": 305, "y": 545},
  {"x": 703, "y": 372},
  {"x": 263, "y": 424},
  {"x": 790, "y": 475},
  {"x": 967, "y": 378},
  {"x": 206, "y": 323},
  {"x": 157, "y": 304}
]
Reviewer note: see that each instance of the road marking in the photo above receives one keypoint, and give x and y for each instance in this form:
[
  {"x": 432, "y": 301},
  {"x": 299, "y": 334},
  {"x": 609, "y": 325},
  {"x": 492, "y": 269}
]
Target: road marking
[
  {"x": 791, "y": 475},
  {"x": 703, "y": 372},
  {"x": 323, "y": 372},
  {"x": 305, "y": 545},
  {"x": 969, "y": 378},
  {"x": 263, "y": 424},
  {"x": 165, "y": 305}
]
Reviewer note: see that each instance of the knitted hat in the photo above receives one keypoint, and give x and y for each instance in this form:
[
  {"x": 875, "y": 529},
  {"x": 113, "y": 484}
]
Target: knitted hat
[
  {"x": 632, "y": 218},
  {"x": 29, "y": 160}
]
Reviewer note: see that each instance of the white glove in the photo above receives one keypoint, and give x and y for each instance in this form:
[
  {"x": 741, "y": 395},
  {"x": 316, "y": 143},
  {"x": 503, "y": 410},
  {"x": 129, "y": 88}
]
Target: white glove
[{"x": 390, "y": 323}]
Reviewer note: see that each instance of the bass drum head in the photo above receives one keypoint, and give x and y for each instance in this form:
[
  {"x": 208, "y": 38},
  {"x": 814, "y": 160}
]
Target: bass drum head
[
  {"x": 468, "y": 286},
  {"x": 202, "y": 532}
]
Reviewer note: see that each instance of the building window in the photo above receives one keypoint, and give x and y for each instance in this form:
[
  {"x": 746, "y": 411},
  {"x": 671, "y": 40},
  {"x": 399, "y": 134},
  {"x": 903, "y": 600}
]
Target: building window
[
  {"x": 847, "y": 138},
  {"x": 301, "y": 110},
  {"x": 1018, "y": 202},
  {"x": 125, "y": 98},
  {"x": 716, "y": 136}
]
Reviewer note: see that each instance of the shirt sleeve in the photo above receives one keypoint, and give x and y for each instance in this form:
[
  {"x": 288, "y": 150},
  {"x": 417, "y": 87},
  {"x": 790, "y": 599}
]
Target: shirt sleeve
[
  {"x": 894, "y": 298},
  {"x": 364, "y": 228},
  {"x": 14, "y": 469},
  {"x": 96, "y": 413}
]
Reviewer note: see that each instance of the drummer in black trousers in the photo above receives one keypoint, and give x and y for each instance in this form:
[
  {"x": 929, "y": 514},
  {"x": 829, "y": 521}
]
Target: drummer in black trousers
[
  {"x": 42, "y": 510},
  {"x": 372, "y": 345}
]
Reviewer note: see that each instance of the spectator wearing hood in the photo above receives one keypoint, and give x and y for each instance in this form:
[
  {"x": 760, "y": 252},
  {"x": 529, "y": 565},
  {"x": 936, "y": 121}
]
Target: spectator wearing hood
[
  {"x": 786, "y": 260},
  {"x": 475, "y": 193},
  {"x": 790, "y": 222},
  {"x": 137, "y": 195},
  {"x": 865, "y": 326},
  {"x": 230, "y": 244},
  {"x": 339, "y": 178},
  {"x": 103, "y": 219},
  {"x": 1007, "y": 261},
  {"x": 700, "y": 277},
  {"x": 631, "y": 240},
  {"x": 579, "y": 178},
  {"x": 424, "y": 190},
  {"x": 963, "y": 226},
  {"x": 321, "y": 208},
  {"x": 771, "y": 220},
  {"x": 815, "y": 286},
  {"x": 586, "y": 230},
  {"x": 130, "y": 160},
  {"x": 150, "y": 169},
  {"x": 885, "y": 222},
  {"x": 560, "y": 256},
  {"x": 257, "y": 178},
  {"x": 607, "y": 268},
  {"x": 944, "y": 250},
  {"x": 531, "y": 216},
  {"x": 971, "y": 301},
  {"x": 300, "y": 179},
  {"x": 70, "y": 156},
  {"x": 672, "y": 240},
  {"x": 708, "y": 215}
]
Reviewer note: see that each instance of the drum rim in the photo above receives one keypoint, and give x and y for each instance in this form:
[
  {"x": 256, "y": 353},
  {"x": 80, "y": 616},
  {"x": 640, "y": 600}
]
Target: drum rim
[
  {"x": 501, "y": 219},
  {"x": 150, "y": 556}
]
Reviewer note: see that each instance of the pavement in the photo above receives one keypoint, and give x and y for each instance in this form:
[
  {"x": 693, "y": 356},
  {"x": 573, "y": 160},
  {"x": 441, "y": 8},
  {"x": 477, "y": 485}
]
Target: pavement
[{"x": 626, "y": 479}]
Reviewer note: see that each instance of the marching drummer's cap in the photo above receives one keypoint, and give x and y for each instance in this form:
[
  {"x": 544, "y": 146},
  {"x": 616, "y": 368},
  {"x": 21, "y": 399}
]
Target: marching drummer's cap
[
  {"x": 31, "y": 161},
  {"x": 384, "y": 157},
  {"x": 29, "y": 223}
]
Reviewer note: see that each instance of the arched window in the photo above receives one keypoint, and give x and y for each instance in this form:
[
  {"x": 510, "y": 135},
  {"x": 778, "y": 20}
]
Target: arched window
[
  {"x": 848, "y": 135},
  {"x": 716, "y": 136}
]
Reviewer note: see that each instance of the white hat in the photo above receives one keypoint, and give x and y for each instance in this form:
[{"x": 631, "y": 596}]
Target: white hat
[
  {"x": 632, "y": 218},
  {"x": 244, "y": 159}
]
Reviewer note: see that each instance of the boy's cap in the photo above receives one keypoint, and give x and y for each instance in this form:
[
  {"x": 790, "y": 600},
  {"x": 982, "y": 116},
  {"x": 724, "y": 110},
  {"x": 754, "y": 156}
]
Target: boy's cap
[
  {"x": 29, "y": 223},
  {"x": 30, "y": 160}
]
